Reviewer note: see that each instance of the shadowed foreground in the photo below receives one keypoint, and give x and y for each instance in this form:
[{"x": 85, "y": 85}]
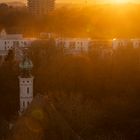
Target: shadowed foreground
[{"x": 42, "y": 121}]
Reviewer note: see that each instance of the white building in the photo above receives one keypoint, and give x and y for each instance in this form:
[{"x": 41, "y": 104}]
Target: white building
[
  {"x": 135, "y": 43},
  {"x": 101, "y": 43},
  {"x": 74, "y": 45},
  {"x": 25, "y": 84},
  {"x": 124, "y": 43},
  {"x": 12, "y": 41},
  {"x": 101, "y": 48},
  {"x": 121, "y": 43}
]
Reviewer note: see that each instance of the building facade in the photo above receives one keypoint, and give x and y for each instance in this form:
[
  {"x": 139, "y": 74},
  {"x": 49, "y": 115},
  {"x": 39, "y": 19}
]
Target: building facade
[
  {"x": 74, "y": 45},
  {"x": 101, "y": 48},
  {"x": 13, "y": 41},
  {"x": 135, "y": 43},
  {"x": 41, "y": 7},
  {"x": 121, "y": 43}
]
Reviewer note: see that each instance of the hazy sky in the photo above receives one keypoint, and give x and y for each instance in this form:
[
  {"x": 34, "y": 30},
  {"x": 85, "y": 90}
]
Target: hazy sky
[{"x": 82, "y": 1}]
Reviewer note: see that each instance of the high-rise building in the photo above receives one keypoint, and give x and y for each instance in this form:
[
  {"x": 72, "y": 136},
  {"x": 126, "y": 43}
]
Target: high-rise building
[{"x": 41, "y": 7}]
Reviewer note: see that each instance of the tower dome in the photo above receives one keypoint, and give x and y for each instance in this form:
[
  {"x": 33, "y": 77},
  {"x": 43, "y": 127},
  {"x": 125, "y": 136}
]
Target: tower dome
[{"x": 26, "y": 64}]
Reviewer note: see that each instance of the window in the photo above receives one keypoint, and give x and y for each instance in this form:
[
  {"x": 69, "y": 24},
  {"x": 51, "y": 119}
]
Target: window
[
  {"x": 28, "y": 103},
  {"x": 23, "y": 104},
  {"x": 120, "y": 44},
  {"x": 28, "y": 90},
  {"x": 16, "y": 44}
]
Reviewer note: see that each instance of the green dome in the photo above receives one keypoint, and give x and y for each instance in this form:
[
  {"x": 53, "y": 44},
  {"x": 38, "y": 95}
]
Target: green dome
[{"x": 26, "y": 64}]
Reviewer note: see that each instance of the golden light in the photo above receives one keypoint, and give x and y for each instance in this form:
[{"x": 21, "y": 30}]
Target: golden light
[{"x": 119, "y": 1}]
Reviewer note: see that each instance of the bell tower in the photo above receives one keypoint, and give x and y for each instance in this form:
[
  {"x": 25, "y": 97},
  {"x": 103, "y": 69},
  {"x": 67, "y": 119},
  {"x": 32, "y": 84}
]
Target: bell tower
[{"x": 25, "y": 84}]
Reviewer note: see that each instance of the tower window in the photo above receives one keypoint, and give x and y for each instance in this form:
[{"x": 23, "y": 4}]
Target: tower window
[
  {"x": 23, "y": 104},
  {"x": 28, "y": 103},
  {"x": 28, "y": 90}
]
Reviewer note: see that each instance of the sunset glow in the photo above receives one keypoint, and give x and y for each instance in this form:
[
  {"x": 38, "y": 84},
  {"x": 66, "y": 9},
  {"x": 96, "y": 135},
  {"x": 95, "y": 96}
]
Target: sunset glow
[
  {"x": 69, "y": 69},
  {"x": 120, "y": 1},
  {"x": 83, "y": 1}
]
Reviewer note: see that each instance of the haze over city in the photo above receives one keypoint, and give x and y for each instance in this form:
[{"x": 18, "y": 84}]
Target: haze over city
[{"x": 69, "y": 70}]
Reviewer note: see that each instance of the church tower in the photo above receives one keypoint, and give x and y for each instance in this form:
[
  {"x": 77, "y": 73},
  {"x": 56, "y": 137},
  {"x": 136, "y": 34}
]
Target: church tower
[{"x": 25, "y": 84}]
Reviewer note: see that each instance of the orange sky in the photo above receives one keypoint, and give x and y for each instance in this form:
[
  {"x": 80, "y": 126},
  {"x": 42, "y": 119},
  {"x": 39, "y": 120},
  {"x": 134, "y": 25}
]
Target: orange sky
[{"x": 82, "y": 1}]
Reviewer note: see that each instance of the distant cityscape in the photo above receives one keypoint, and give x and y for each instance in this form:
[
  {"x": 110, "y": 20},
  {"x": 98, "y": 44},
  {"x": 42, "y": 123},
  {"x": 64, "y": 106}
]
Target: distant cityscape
[
  {"x": 71, "y": 46},
  {"x": 69, "y": 72}
]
